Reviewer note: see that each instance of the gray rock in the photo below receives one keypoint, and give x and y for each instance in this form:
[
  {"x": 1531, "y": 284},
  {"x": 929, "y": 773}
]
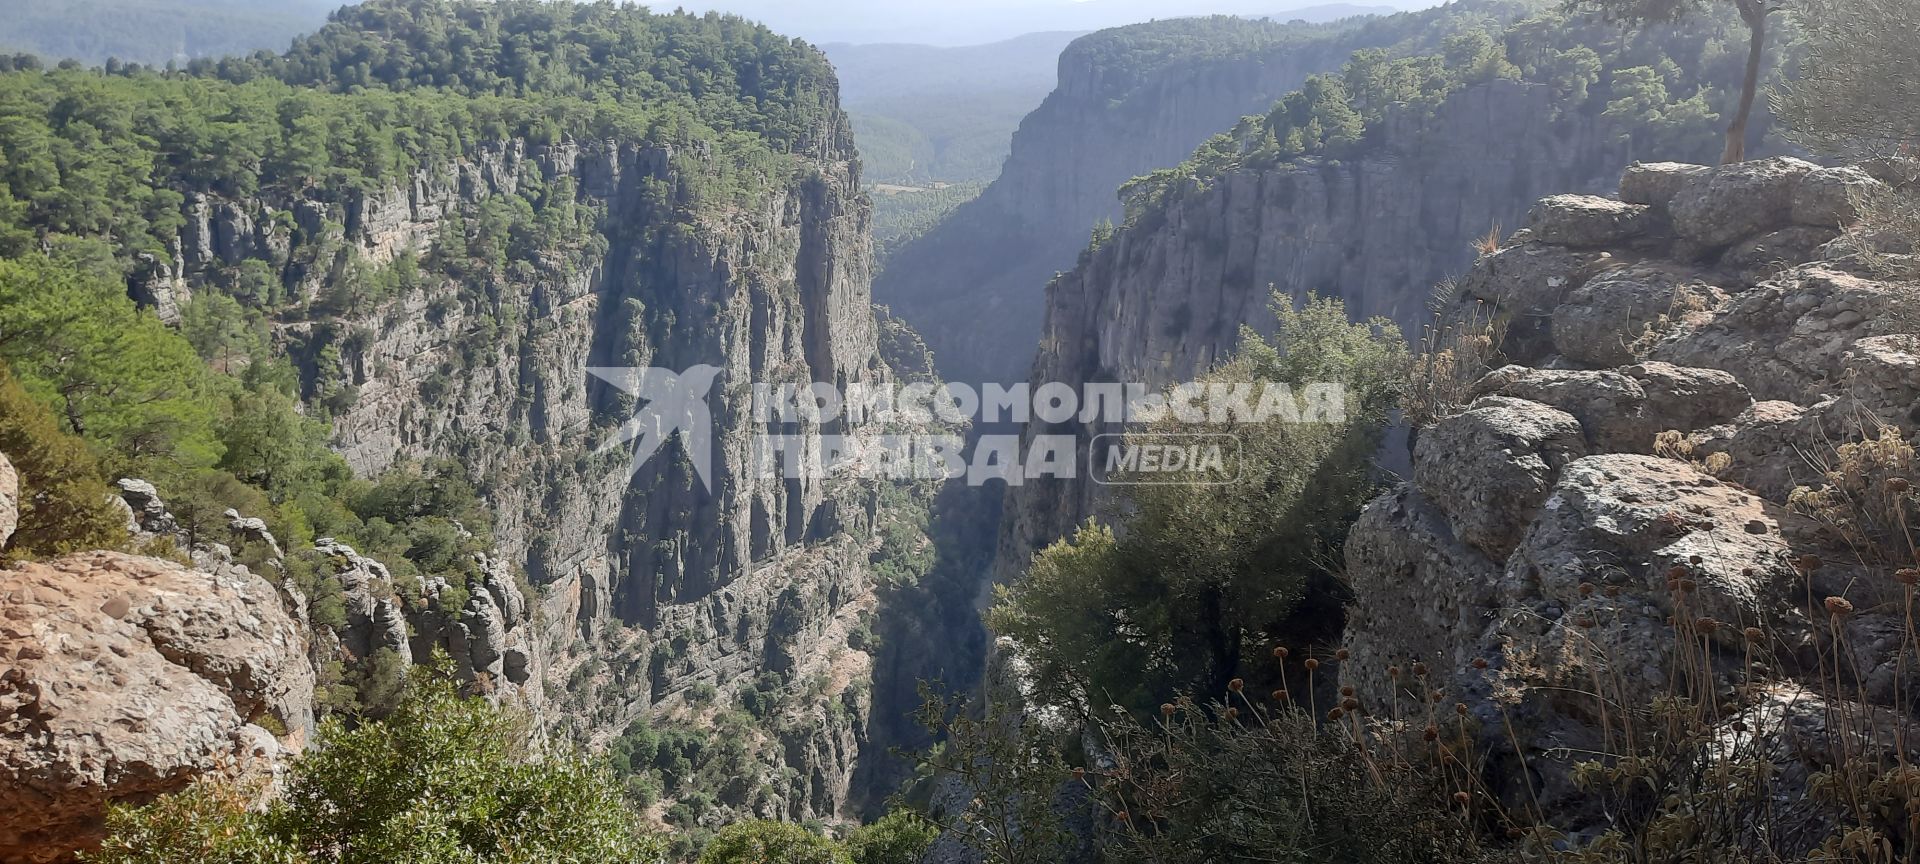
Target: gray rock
[
  {"x": 9, "y": 500},
  {"x": 1629, "y": 522},
  {"x": 1609, "y": 320},
  {"x": 1790, "y": 338},
  {"x": 1685, "y": 399},
  {"x": 1530, "y": 277},
  {"x": 1827, "y": 198},
  {"x": 1419, "y": 593},
  {"x": 1768, "y": 255},
  {"x": 1489, "y": 467},
  {"x": 149, "y": 512},
  {"x": 1586, "y": 221},
  {"x": 1623, "y": 410},
  {"x": 1733, "y": 202},
  {"x": 1657, "y": 183}
]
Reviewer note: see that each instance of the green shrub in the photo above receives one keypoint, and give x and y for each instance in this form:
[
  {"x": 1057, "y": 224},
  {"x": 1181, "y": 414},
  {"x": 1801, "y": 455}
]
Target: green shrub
[
  {"x": 65, "y": 503},
  {"x": 771, "y": 843},
  {"x": 442, "y": 779},
  {"x": 897, "y": 838}
]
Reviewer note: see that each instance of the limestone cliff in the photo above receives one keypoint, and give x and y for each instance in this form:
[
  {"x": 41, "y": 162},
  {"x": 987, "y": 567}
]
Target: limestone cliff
[
  {"x": 647, "y": 583},
  {"x": 1129, "y": 101},
  {"x": 1103, "y": 124},
  {"x": 1163, "y": 301}
]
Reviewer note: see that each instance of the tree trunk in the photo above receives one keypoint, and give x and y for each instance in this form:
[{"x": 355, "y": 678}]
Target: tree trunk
[{"x": 1756, "y": 17}]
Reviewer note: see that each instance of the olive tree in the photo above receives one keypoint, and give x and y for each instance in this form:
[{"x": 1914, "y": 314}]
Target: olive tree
[{"x": 1858, "y": 92}]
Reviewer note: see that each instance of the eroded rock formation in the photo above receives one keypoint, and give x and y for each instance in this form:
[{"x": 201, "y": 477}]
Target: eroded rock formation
[
  {"x": 128, "y": 677},
  {"x": 1614, "y": 490}
]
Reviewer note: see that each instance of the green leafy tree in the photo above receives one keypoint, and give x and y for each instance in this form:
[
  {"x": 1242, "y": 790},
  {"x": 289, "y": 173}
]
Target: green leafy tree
[
  {"x": 65, "y": 503},
  {"x": 1858, "y": 91},
  {"x": 113, "y": 373},
  {"x": 771, "y": 843},
  {"x": 897, "y": 838},
  {"x": 441, "y": 779},
  {"x": 1202, "y": 570},
  {"x": 1753, "y": 13}
]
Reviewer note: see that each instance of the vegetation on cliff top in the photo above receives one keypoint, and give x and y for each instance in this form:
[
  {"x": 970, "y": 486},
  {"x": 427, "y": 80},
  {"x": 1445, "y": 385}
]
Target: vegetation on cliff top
[
  {"x": 1659, "y": 87},
  {"x": 389, "y": 88}
]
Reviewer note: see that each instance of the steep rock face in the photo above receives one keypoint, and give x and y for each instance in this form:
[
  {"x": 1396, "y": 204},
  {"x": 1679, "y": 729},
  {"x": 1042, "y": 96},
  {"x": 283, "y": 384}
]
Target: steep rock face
[
  {"x": 1682, "y": 523},
  {"x": 1163, "y": 301},
  {"x": 9, "y": 500},
  {"x": 1103, "y": 125},
  {"x": 638, "y": 568},
  {"x": 131, "y": 677}
]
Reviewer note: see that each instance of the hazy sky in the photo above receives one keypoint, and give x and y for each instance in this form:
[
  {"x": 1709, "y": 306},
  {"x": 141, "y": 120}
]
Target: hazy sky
[{"x": 962, "y": 22}]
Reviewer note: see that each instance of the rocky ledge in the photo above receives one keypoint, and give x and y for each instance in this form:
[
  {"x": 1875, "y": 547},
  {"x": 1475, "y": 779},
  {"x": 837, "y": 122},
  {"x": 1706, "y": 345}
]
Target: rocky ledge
[
  {"x": 123, "y": 678},
  {"x": 1677, "y": 382}
]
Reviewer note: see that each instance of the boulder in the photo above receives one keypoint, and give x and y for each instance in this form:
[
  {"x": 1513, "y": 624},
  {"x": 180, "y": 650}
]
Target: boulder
[
  {"x": 150, "y": 514},
  {"x": 1612, "y": 320},
  {"x": 130, "y": 677},
  {"x": 1684, "y": 398},
  {"x": 1733, "y": 202},
  {"x": 1623, "y": 410},
  {"x": 1791, "y": 338},
  {"x": 1885, "y": 374},
  {"x": 1418, "y": 592},
  {"x": 1585, "y": 221},
  {"x": 1657, "y": 183},
  {"x": 1490, "y": 466},
  {"x": 1755, "y": 440},
  {"x": 1530, "y": 277},
  {"x": 9, "y": 500},
  {"x": 1827, "y": 198},
  {"x": 1626, "y": 525}
]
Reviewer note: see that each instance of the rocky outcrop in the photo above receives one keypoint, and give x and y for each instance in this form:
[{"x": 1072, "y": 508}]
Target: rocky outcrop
[
  {"x": 128, "y": 678},
  {"x": 1682, "y": 512},
  {"x": 1163, "y": 301},
  {"x": 9, "y": 500}
]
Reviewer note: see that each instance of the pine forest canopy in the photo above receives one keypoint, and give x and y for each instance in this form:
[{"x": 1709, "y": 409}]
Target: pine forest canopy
[{"x": 388, "y": 87}]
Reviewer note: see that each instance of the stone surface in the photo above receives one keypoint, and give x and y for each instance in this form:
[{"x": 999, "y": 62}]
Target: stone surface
[
  {"x": 129, "y": 677},
  {"x": 9, "y": 500},
  {"x": 1733, "y": 202},
  {"x": 1769, "y": 255},
  {"x": 1419, "y": 592},
  {"x": 1791, "y": 338},
  {"x": 1615, "y": 318},
  {"x": 1827, "y": 198},
  {"x": 1490, "y": 466},
  {"x": 1623, "y": 410},
  {"x": 1656, "y": 184},
  {"x": 1585, "y": 221}
]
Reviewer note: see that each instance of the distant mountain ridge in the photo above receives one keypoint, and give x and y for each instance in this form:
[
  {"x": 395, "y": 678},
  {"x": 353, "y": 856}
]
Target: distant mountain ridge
[
  {"x": 987, "y": 21},
  {"x": 154, "y": 32}
]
